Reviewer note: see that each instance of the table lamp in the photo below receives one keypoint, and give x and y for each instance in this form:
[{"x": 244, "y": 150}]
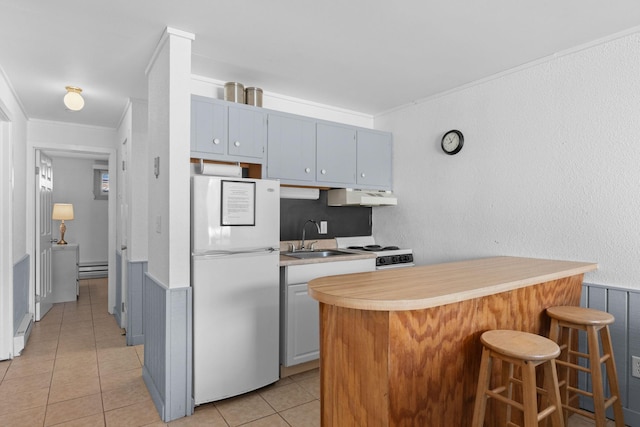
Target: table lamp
[{"x": 62, "y": 211}]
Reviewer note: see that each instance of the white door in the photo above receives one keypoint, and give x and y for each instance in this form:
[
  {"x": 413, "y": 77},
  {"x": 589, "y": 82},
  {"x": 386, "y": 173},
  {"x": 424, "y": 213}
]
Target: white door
[
  {"x": 44, "y": 235},
  {"x": 124, "y": 231}
]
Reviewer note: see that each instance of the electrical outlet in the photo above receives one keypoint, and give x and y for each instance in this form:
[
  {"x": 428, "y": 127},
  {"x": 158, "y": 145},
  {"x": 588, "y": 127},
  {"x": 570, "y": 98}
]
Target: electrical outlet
[
  {"x": 323, "y": 227},
  {"x": 635, "y": 366}
]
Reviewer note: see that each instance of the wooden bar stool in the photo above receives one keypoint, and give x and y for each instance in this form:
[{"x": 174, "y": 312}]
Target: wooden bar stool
[
  {"x": 525, "y": 351},
  {"x": 564, "y": 320}
]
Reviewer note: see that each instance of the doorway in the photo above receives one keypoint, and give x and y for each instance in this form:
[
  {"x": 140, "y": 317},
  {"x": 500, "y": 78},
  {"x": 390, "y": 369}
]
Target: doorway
[{"x": 80, "y": 230}]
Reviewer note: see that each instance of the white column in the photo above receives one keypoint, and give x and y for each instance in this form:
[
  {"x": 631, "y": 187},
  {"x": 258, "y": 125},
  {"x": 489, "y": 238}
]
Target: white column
[{"x": 169, "y": 75}]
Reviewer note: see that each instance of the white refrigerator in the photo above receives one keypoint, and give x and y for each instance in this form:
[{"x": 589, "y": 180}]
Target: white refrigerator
[{"x": 235, "y": 240}]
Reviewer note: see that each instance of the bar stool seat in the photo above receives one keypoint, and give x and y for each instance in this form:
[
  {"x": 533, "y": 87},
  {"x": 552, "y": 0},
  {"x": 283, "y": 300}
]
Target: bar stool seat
[
  {"x": 565, "y": 320},
  {"x": 526, "y": 351}
]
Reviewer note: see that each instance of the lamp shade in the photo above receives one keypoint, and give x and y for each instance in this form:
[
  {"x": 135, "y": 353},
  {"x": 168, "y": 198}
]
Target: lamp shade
[
  {"x": 73, "y": 100},
  {"x": 62, "y": 211}
]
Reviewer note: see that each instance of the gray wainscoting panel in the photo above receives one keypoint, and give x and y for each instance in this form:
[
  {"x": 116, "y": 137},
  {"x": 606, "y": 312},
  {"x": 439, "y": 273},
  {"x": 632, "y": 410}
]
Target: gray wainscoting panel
[
  {"x": 135, "y": 278},
  {"x": 20, "y": 291},
  {"x": 167, "y": 370},
  {"x": 155, "y": 356},
  {"x": 634, "y": 350},
  {"x": 624, "y": 305},
  {"x": 117, "y": 310}
]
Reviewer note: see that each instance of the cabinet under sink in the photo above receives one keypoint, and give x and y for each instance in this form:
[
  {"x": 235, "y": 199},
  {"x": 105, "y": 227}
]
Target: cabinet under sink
[{"x": 299, "y": 313}]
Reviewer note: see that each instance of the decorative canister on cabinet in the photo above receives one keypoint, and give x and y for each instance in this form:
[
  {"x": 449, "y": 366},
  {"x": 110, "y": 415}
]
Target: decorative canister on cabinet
[
  {"x": 234, "y": 92},
  {"x": 254, "y": 96}
]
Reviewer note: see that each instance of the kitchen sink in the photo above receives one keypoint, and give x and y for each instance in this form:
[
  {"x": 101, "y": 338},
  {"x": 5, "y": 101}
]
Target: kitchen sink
[{"x": 321, "y": 253}]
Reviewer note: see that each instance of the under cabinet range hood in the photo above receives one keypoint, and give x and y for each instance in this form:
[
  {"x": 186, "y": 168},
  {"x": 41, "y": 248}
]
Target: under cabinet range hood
[{"x": 352, "y": 197}]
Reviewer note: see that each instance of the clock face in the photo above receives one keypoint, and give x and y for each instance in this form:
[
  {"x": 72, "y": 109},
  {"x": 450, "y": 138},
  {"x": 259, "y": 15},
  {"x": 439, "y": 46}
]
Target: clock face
[{"x": 452, "y": 142}]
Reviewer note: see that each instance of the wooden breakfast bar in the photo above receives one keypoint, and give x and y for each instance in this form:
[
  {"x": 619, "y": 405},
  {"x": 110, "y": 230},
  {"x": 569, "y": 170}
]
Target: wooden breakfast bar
[{"x": 401, "y": 347}]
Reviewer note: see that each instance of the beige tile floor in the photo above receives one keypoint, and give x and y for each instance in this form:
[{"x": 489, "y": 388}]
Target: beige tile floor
[{"x": 77, "y": 371}]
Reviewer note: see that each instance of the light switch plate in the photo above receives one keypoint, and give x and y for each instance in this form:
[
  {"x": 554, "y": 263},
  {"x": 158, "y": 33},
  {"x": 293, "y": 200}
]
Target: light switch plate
[
  {"x": 323, "y": 227},
  {"x": 635, "y": 366}
]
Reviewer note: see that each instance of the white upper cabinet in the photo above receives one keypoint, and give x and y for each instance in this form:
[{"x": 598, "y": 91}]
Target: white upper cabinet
[
  {"x": 296, "y": 150},
  {"x": 247, "y": 132},
  {"x": 336, "y": 154},
  {"x": 208, "y": 126},
  {"x": 291, "y": 148},
  {"x": 223, "y": 130},
  {"x": 374, "y": 160}
]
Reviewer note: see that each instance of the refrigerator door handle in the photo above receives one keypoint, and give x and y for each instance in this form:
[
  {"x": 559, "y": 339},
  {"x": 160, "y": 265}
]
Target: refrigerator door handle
[{"x": 214, "y": 253}]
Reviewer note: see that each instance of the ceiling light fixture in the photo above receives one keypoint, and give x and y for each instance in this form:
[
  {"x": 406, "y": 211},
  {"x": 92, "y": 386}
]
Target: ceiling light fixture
[{"x": 73, "y": 100}]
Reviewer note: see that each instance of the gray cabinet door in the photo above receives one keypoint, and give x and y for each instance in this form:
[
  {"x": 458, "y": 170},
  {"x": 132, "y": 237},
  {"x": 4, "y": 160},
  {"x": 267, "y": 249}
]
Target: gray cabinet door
[
  {"x": 247, "y": 132},
  {"x": 291, "y": 143},
  {"x": 303, "y": 326},
  {"x": 208, "y": 126},
  {"x": 374, "y": 160},
  {"x": 335, "y": 154}
]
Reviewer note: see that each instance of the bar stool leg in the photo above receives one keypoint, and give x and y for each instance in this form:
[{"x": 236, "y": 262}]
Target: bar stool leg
[
  {"x": 558, "y": 417},
  {"x": 557, "y": 334},
  {"x": 507, "y": 380},
  {"x": 480, "y": 405},
  {"x": 612, "y": 376},
  {"x": 529, "y": 396},
  {"x": 596, "y": 376}
]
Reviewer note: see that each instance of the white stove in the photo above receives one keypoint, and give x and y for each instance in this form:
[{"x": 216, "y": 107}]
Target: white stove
[{"x": 386, "y": 256}]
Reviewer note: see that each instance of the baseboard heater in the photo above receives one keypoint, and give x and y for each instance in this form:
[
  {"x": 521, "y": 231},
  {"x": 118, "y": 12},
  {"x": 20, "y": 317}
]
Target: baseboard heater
[
  {"x": 93, "y": 270},
  {"x": 22, "y": 334}
]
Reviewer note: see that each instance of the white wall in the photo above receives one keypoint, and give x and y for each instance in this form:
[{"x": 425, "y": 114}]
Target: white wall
[
  {"x": 133, "y": 130},
  {"x": 13, "y": 166},
  {"x": 13, "y": 136},
  {"x": 138, "y": 183},
  {"x": 549, "y": 168},
  {"x": 73, "y": 183}
]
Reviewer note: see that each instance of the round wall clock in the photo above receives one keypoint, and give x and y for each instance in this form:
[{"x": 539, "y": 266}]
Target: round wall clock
[{"x": 452, "y": 142}]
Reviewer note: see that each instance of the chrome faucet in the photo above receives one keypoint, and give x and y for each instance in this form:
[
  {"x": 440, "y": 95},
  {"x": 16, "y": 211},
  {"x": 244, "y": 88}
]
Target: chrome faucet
[{"x": 302, "y": 248}]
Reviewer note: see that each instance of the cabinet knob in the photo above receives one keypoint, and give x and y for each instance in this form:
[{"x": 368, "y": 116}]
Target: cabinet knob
[
  {"x": 307, "y": 170},
  {"x": 323, "y": 171},
  {"x": 216, "y": 141},
  {"x": 237, "y": 143},
  {"x": 362, "y": 175}
]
